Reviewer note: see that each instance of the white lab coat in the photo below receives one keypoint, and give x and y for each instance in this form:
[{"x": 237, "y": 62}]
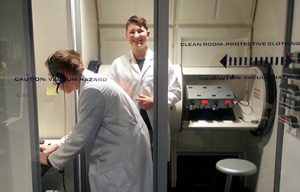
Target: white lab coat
[
  {"x": 126, "y": 72},
  {"x": 114, "y": 136}
]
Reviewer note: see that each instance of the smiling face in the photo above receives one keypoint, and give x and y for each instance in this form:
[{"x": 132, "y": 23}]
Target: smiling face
[{"x": 137, "y": 36}]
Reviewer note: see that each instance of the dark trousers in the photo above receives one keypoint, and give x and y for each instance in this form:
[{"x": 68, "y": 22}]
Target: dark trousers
[{"x": 147, "y": 121}]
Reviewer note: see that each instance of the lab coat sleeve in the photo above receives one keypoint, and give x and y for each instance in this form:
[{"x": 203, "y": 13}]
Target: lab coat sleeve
[
  {"x": 174, "y": 86},
  {"x": 91, "y": 115},
  {"x": 62, "y": 140},
  {"x": 112, "y": 73}
]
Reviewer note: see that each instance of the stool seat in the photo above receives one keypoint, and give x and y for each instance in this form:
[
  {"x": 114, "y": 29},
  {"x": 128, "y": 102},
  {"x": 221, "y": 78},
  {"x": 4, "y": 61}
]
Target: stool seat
[
  {"x": 238, "y": 167},
  {"x": 235, "y": 167}
]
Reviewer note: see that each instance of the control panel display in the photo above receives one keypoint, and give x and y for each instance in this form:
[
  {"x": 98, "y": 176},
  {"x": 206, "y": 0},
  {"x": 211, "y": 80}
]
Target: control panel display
[{"x": 209, "y": 97}]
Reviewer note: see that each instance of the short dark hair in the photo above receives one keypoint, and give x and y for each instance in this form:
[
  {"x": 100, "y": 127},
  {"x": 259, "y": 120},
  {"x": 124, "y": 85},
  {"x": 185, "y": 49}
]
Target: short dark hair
[
  {"x": 139, "y": 21},
  {"x": 65, "y": 59}
]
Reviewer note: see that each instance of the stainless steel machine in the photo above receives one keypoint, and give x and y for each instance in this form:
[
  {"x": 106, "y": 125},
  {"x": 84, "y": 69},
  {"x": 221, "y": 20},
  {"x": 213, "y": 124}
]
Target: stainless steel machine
[{"x": 226, "y": 98}]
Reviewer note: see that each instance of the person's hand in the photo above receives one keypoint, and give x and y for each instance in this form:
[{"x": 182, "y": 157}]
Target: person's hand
[
  {"x": 144, "y": 101},
  {"x": 43, "y": 158},
  {"x": 47, "y": 149}
]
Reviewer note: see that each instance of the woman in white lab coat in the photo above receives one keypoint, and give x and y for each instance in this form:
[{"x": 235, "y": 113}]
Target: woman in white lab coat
[
  {"x": 134, "y": 71},
  {"x": 110, "y": 130}
]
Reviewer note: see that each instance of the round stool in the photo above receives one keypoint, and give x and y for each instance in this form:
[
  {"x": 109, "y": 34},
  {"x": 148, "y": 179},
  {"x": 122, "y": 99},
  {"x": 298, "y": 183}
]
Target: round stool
[{"x": 235, "y": 167}]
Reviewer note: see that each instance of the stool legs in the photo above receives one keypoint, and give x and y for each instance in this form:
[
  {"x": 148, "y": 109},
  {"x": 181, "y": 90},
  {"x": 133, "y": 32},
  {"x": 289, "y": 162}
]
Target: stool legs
[
  {"x": 228, "y": 183},
  {"x": 236, "y": 167}
]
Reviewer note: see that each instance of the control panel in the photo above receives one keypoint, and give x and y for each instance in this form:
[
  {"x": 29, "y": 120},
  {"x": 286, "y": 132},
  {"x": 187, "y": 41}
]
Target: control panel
[
  {"x": 223, "y": 98},
  {"x": 209, "y": 97}
]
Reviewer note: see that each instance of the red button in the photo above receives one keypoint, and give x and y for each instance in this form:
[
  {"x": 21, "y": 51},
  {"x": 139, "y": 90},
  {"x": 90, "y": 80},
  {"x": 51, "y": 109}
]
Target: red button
[
  {"x": 227, "y": 102},
  {"x": 204, "y": 102}
]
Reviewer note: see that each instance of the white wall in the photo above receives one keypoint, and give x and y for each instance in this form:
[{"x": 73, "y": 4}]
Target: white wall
[
  {"x": 269, "y": 26},
  {"x": 203, "y": 20},
  {"x": 52, "y": 31},
  {"x": 89, "y": 31},
  {"x": 209, "y": 53}
]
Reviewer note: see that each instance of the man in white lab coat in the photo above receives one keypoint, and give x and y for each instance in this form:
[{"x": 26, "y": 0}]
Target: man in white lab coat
[
  {"x": 109, "y": 129},
  {"x": 134, "y": 71}
]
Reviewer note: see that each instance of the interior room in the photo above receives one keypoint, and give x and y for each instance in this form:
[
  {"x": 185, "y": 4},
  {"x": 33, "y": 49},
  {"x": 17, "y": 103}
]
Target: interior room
[{"x": 237, "y": 63}]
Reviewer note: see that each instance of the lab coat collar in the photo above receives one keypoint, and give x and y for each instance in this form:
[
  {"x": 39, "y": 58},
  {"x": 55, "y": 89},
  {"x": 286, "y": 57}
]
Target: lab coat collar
[
  {"x": 147, "y": 63},
  {"x": 85, "y": 74}
]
